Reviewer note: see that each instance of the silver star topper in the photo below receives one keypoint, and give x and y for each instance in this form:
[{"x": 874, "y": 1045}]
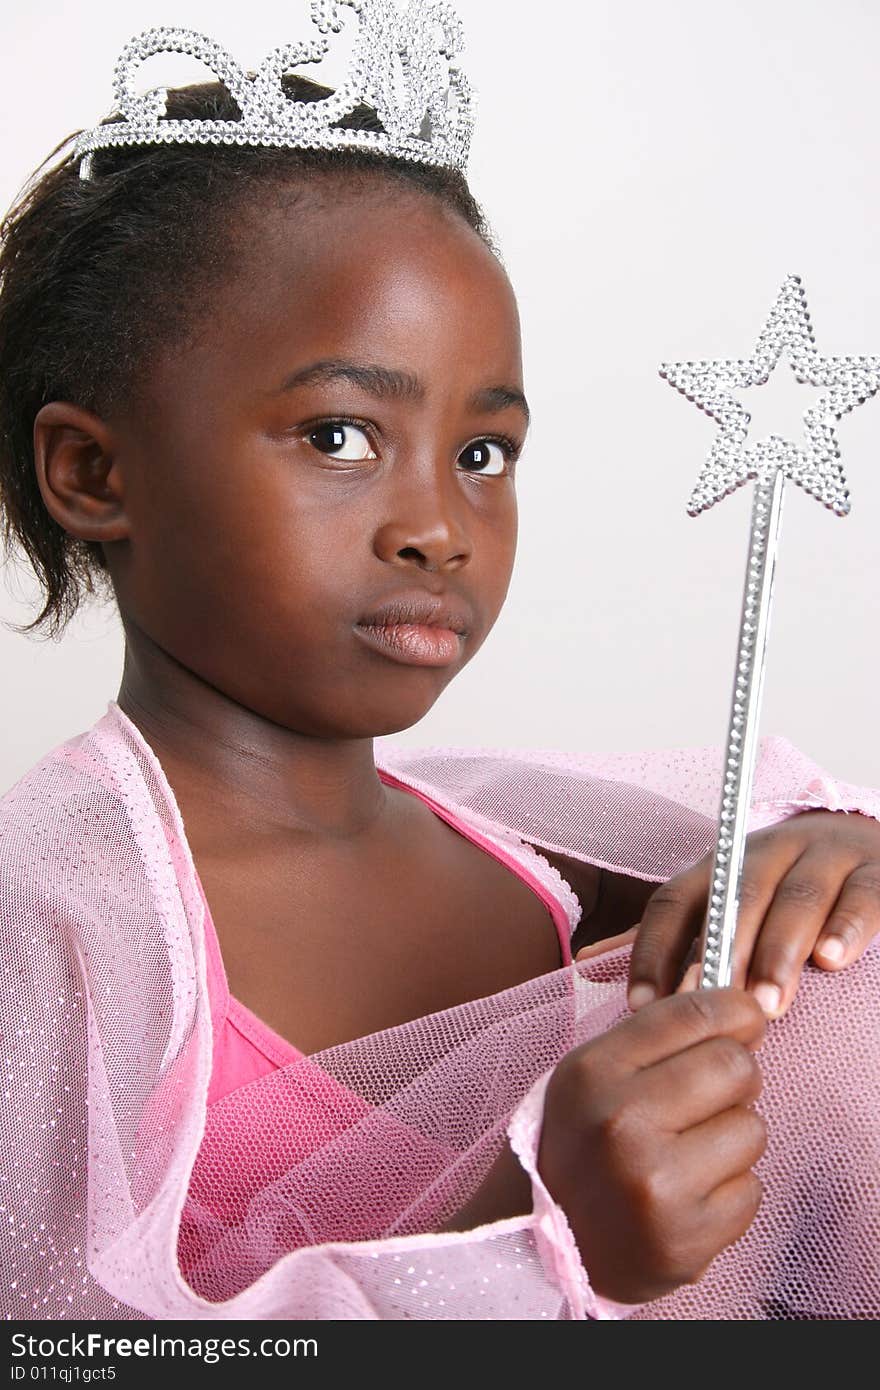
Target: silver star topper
[{"x": 815, "y": 466}]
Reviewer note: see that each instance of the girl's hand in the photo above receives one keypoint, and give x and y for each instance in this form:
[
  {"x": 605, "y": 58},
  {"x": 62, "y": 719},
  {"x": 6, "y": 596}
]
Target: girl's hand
[
  {"x": 648, "y": 1141},
  {"x": 810, "y": 890}
]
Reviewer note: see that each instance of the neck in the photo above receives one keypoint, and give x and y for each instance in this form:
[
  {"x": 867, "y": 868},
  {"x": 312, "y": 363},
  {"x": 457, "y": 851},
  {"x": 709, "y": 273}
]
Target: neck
[{"x": 235, "y": 772}]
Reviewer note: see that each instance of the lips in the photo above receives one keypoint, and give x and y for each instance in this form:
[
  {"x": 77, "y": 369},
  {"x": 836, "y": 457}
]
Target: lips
[
  {"x": 418, "y": 610},
  {"x": 416, "y": 629}
]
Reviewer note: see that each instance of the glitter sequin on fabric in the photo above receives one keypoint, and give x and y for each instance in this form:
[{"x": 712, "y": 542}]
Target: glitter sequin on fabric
[{"x": 316, "y": 1191}]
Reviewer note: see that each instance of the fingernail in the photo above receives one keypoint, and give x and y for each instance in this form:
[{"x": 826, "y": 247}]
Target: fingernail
[
  {"x": 768, "y": 996},
  {"x": 640, "y": 995},
  {"x": 831, "y": 949}
]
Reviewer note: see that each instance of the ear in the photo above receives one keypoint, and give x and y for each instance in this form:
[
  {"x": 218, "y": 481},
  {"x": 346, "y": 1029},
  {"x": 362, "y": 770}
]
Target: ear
[{"x": 77, "y": 473}]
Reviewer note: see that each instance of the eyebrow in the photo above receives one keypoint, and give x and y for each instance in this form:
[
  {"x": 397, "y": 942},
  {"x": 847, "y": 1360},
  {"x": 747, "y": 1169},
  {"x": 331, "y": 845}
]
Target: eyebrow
[{"x": 388, "y": 384}]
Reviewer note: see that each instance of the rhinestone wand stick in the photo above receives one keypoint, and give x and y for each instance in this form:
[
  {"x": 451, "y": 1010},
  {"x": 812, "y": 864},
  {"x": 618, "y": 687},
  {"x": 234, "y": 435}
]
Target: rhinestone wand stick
[
  {"x": 816, "y": 468},
  {"x": 742, "y": 732}
]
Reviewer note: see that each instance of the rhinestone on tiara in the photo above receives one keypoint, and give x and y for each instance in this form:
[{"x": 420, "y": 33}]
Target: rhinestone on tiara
[{"x": 399, "y": 66}]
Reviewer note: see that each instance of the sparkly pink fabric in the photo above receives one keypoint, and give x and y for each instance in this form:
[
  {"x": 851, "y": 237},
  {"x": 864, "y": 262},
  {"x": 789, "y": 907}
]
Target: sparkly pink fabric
[
  {"x": 317, "y": 1189},
  {"x": 245, "y": 1047}
]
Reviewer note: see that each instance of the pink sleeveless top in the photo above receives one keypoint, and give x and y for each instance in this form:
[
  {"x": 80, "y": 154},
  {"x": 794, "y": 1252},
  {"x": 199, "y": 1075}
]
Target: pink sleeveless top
[{"x": 246, "y": 1048}]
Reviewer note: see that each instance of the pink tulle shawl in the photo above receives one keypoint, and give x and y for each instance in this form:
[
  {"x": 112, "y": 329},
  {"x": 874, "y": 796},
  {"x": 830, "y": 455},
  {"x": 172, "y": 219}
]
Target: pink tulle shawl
[{"x": 317, "y": 1191}]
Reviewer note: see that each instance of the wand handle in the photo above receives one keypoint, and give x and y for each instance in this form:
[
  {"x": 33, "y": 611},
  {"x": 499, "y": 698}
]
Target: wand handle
[{"x": 742, "y": 736}]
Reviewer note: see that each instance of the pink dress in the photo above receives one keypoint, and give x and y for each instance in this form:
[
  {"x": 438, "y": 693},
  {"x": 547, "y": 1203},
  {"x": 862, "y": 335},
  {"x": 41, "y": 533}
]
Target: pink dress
[{"x": 246, "y": 1048}]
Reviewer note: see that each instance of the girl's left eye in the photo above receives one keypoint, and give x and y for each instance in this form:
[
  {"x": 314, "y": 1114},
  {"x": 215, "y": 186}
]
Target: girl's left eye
[{"x": 481, "y": 448}]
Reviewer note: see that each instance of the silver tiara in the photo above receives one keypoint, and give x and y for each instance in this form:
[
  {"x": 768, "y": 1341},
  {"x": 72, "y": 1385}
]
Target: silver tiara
[{"x": 399, "y": 65}]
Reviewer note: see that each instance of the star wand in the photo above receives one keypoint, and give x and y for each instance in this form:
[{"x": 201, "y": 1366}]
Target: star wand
[{"x": 816, "y": 468}]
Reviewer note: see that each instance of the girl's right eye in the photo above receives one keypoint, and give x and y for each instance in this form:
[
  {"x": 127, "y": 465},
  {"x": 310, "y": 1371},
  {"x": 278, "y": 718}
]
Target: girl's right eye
[{"x": 334, "y": 435}]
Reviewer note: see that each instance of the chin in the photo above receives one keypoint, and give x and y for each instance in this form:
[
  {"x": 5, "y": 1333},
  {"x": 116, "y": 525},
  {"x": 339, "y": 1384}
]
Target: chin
[
  {"x": 380, "y": 717},
  {"x": 390, "y": 723}
]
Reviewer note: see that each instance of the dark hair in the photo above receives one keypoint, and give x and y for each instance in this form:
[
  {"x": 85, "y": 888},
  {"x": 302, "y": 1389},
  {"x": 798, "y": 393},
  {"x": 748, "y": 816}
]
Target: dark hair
[{"x": 97, "y": 276}]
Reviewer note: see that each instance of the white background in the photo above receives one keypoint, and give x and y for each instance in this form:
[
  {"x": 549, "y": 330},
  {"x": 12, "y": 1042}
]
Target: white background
[{"x": 652, "y": 172}]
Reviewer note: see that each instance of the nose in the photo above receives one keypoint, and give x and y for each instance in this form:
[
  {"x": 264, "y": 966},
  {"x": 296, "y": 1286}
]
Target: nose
[{"x": 426, "y": 528}]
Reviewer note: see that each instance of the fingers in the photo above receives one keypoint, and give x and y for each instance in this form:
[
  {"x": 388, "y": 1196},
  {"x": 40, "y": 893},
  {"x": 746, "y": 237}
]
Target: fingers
[
  {"x": 690, "y": 979},
  {"x": 854, "y": 920},
  {"x": 671, "y": 1025},
  {"x": 791, "y": 908},
  {"x": 798, "y": 917},
  {"x": 720, "y": 1150},
  {"x": 686, "y": 1092},
  {"x": 715, "y": 1224},
  {"x": 656, "y": 1110},
  {"x": 671, "y": 920},
  {"x": 610, "y": 943},
  {"x": 732, "y": 1208},
  {"x": 713, "y": 1165}
]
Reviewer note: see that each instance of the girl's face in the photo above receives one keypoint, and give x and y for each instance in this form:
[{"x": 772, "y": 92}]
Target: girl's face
[{"x": 266, "y": 516}]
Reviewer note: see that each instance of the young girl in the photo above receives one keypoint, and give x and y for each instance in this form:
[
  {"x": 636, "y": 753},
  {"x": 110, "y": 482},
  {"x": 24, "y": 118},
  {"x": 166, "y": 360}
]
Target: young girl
[{"x": 294, "y": 1032}]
